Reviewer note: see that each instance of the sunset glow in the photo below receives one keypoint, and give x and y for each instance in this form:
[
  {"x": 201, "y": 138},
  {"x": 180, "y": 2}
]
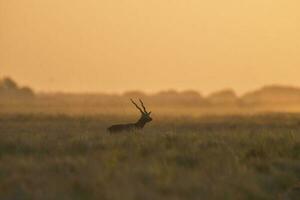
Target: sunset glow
[{"x": 115, "y": 45}]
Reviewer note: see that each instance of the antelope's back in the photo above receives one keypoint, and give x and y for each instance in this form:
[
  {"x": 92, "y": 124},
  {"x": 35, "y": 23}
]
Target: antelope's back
[{"x": 120, "y": 128}]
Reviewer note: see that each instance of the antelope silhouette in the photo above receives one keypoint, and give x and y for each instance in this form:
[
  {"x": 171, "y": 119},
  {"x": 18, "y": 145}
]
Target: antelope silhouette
[{"x": 144, "y": 119}]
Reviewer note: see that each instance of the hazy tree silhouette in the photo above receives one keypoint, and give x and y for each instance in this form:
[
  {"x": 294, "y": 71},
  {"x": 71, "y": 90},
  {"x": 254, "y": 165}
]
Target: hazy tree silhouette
[
  {"x": 10, "y": 89},
  {"x": 8, "y": 84}
]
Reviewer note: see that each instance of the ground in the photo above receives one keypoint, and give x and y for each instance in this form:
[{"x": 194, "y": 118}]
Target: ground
[{"x": 235, "y": 157}]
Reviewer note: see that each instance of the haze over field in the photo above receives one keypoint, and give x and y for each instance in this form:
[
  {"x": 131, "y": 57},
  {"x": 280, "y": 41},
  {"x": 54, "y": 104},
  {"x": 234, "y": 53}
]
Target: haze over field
[
  {"x": 114, "y": 45},
  {"x": 15, "y": 98}
]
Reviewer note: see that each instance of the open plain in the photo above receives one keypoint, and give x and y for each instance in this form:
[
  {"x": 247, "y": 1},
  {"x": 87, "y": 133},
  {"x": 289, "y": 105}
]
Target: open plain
[{"x": 210, "y": 157}]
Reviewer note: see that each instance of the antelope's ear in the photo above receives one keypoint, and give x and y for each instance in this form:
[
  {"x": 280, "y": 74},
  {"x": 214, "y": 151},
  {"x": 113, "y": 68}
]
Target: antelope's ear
[{"x": 149, "y": 113}]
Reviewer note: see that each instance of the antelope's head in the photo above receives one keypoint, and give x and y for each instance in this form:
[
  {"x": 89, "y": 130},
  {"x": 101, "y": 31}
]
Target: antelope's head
[{"x": 145, "y": 115}]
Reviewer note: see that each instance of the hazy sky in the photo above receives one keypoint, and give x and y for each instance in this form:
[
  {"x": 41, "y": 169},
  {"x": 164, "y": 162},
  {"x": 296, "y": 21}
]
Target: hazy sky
[{"x": 115, "y": 45}]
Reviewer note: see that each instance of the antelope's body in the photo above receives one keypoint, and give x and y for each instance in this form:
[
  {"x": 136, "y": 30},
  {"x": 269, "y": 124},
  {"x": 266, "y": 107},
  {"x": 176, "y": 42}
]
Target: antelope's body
[
  {"x": 144, "y": 119},
  {"x": 121, "y": 127}
]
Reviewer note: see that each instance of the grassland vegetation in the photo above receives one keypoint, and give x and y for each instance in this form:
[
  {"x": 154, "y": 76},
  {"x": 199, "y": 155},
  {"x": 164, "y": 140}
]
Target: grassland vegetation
[{"x": 73, "y": 157}]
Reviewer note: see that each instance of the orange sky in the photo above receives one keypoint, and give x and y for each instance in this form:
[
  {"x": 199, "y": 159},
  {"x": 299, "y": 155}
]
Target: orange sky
[{"x": 116, "y": 45}]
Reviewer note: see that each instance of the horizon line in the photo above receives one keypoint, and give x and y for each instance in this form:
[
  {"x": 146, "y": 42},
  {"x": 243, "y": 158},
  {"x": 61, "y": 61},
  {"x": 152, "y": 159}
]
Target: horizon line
[{"x": 147, "y": 93}]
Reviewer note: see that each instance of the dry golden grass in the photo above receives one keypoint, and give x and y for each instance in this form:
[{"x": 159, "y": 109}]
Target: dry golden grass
[{"x": 62, "y": 157}]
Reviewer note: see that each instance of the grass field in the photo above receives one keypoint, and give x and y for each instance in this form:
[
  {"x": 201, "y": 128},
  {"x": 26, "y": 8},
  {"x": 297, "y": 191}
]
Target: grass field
[{"x": 235, "y": 157}]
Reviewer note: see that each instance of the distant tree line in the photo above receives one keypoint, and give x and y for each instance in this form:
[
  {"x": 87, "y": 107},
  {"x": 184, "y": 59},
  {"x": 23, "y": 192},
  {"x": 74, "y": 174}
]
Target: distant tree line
[
  {"x": 10, "y": 89},
  {"x": 268, "y": 95}
]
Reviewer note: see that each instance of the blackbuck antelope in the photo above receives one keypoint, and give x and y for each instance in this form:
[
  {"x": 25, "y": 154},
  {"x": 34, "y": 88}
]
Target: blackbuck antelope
[{"x": 144, "y": 119}]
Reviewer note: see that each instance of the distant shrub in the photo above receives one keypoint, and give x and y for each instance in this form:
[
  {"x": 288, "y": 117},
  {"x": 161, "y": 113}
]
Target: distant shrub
[
  {"x": 8, "y": 84},
  {"x": 9, "y": 89}
]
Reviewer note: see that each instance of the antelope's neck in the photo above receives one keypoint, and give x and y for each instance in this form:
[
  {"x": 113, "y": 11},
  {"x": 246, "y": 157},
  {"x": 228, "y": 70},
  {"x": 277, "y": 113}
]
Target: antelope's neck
[{"x": 141, "y": 123}]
